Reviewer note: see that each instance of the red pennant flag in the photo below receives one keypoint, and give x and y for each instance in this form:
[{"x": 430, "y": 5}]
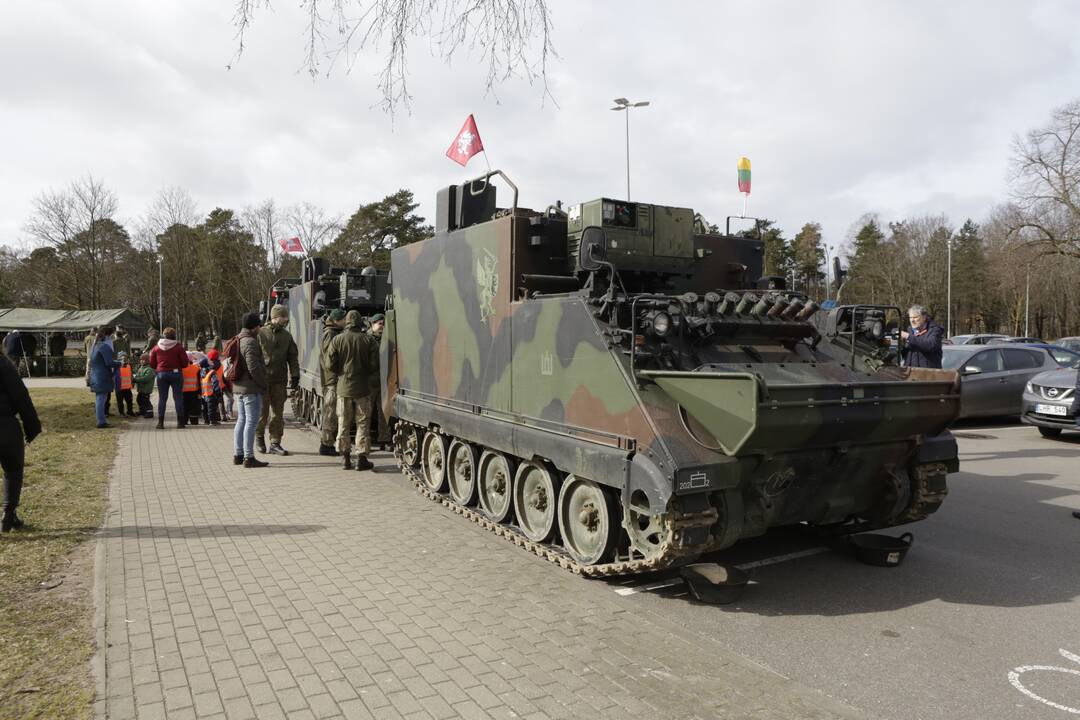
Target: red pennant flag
[
  {"x": 466, "y": 144},
  {"x": 291, "y": 246}
]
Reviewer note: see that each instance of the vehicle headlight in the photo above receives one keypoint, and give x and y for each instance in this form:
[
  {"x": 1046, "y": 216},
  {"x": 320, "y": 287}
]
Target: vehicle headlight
[
  {"x": 1029, "y": 388},
  {"x": 661, "y": 323}
]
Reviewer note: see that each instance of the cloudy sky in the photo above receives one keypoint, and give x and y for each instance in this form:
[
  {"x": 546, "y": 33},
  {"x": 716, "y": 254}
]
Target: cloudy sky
[{"x": 844, "y": 108}]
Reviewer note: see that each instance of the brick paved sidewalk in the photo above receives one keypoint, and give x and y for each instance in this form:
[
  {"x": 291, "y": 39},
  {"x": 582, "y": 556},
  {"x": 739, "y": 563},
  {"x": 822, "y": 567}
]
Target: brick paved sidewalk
[{"x": 306, "y": 591}]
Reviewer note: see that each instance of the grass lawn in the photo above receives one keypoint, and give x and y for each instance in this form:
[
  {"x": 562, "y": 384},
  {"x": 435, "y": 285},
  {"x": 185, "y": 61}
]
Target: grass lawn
[{"x": 47, "y": 635}]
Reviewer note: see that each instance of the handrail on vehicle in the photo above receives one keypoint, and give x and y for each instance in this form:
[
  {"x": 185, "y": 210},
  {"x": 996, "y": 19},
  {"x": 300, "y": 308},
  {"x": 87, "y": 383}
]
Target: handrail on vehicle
[{"x": 484, "y": 179}]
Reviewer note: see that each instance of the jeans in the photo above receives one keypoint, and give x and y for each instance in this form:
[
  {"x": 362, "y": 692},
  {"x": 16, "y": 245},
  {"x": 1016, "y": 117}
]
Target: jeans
[
  {"x": 248, "y": 408},
  {"x": 175, "y": 381},
  {"x": 99, "y": 406}
]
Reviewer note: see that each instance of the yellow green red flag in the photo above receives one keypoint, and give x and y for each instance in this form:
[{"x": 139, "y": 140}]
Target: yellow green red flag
[{"x": 744, "y": 175}]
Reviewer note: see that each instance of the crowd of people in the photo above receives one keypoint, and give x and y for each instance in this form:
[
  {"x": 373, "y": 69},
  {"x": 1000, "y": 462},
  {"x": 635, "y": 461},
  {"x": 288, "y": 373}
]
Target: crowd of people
[{"x": 249, "y": 379}]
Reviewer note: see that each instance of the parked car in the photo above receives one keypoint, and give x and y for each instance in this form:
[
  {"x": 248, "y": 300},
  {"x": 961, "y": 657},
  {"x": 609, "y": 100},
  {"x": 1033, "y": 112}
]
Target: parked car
[
  {"x": 1050, "y": 401},
  {"x": 980, "y": 339},
  {"x": 1025, "y": 340},
  {"x": 1065, "y": 357},
  {"x": 1072, "y": 343},
  {"x": 993, "y": 376}
]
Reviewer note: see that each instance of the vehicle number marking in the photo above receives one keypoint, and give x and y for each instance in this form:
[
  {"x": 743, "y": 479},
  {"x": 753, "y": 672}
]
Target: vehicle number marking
[
  {"x": 1059, "y": 410},
  {"x": 1014, "y": 679}
]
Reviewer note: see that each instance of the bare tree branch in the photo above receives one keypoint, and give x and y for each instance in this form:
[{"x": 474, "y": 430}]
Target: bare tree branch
[{"x": 512, "y": 38}]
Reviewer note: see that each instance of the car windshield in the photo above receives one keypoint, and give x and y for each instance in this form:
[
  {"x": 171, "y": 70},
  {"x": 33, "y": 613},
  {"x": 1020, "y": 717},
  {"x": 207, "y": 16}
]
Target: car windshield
[
  {"x": 1070, "y": 343},
  {"x": 952, "y": 358},
  {"x": 1064, "y": 358}
]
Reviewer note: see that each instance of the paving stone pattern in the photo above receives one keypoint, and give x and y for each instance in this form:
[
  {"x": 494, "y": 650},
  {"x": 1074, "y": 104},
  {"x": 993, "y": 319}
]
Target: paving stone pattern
[{"x": 306, "y": 591}]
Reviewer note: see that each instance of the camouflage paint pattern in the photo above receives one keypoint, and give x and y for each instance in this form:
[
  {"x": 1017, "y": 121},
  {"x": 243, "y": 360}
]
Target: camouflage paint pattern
[{"x": 780, "y": 434}]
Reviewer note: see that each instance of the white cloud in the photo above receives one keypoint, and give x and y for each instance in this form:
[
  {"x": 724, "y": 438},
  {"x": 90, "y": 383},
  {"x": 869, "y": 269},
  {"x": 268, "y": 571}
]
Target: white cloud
[{"x": 843, "y": 107}]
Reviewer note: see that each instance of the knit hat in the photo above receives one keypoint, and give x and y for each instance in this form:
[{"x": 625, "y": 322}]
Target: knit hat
[
  {"x": 252, "y": 321},
  {"x": 377, "y": 317},
  {"x": 354, "y": 319},
  {"x": 212, "y": 354},
  {"x": 279, "y": 311},
  {"x": 337, "y": 314}
]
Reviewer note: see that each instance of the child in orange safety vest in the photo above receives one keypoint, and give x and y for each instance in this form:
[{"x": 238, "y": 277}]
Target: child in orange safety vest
[
  {"x": 124, "y": 384},
  {"x": 192, "y": 402},
  {"x": 211, "y": 384}
]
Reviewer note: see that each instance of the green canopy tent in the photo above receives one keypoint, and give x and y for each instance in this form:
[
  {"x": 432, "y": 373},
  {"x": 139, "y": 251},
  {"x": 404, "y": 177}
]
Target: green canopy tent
[{"x": 50, "y": 322}]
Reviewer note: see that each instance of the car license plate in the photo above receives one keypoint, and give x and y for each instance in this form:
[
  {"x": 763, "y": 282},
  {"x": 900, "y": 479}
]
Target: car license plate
[{"x": 1059, "y": 410}]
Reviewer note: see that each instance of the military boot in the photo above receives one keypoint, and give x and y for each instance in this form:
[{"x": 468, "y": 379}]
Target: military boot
[
  {"x": 276, "y": 449},
  {"x": 7, "y": 522},
  {"x": 346, "y": 464},
  {"x": 260, "y": 444},
  {"x": 362, "y": 463},
  {"x": 327, "y": 450}
]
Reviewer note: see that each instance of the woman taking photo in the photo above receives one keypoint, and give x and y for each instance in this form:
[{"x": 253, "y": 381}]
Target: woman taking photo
[
  {"x": 102, "y": 372},
  {"x": 168, "y": 358}
]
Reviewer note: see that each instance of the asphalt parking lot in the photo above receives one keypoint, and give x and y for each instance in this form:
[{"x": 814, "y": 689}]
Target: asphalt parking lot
[{"x": 988, "y": 590}]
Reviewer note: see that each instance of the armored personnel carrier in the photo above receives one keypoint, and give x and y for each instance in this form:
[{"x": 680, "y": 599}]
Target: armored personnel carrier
[
  {"x": 618, "y": 391},
  {"x": 309, "y": 298}
]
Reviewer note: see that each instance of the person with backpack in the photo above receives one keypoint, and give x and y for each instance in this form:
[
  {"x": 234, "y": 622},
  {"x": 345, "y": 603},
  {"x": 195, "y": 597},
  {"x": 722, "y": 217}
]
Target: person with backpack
[{"x": 245, "y": 369}]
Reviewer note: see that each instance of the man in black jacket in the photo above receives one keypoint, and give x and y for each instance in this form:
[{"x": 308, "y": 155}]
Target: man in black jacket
[
  {"x": 15, "y": 405},
  {"x": 922, "y": 341}
]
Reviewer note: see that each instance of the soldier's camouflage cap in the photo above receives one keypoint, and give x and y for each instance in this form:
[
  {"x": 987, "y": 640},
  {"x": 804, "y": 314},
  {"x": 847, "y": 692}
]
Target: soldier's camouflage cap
[
  {"x": 279, "y": 311},
  {"x": 354, "y": 319}
]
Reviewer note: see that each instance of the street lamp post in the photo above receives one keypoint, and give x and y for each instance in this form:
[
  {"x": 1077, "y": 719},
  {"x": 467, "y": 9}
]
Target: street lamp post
[
  {"x": 1027, "y": 300},
  {"x": 948, "y": 290},
  {"x": 622, "y": 104},
  {"x": 161, "y": 295},
  {"x": 829, "y": 279}
]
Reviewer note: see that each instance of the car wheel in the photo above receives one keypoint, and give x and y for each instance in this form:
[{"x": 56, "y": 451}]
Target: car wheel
[{"x": 1049, "y": 432}]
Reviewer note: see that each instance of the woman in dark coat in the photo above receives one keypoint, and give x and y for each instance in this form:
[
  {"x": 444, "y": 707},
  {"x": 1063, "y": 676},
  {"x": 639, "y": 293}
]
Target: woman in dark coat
[
  {"x": 102, "y": 372},
  {"x": 15, "y": 405}
]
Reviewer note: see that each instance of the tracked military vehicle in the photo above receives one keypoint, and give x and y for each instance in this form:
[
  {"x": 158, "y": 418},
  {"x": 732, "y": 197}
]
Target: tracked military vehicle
[
  {"x": 618, "y": 391},
  {"x": 309, "y": 298}
]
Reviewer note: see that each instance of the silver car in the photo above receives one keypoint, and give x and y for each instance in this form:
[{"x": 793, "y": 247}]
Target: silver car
[
  {"x": 993, "y": 377},
  {"x": 1050, "y": 402}
]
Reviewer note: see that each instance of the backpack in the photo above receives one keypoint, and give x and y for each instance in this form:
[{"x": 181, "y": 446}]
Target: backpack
[{"x": 232, "y": 360}]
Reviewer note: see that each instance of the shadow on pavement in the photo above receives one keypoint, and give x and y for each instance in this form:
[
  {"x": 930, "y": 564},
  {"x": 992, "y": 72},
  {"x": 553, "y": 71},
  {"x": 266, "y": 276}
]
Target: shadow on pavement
[
  {"x": 963, "y": 557},
  {"x": 29, "y": 533}
]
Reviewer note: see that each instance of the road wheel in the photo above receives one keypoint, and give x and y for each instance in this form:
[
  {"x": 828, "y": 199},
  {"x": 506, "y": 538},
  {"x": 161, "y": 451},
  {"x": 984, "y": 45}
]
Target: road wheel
[
  {"x": 435, "y": 461},
  {"x": 461, "y": 468},
  {"x": 409, "y": 441},
  {"x": 495, "y": 480},
  {"x": 587, "y": 521},
  {"x": 1049, "y": 432},
  {"x": 536, "y": 494}
]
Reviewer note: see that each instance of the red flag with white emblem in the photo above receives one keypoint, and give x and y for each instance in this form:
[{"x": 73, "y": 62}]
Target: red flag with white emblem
[
  {"x": 466, "y": 144},
  {"x": 292, "y": 246}
]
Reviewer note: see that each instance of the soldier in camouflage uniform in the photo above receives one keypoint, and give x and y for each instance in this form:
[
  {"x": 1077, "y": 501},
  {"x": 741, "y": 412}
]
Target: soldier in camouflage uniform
[
  {"x": 333, "y": 325},
  {"x": 280, "y": 353},
  {"x": 377, "y": 322},
  {"x": 353, "y": 357}
]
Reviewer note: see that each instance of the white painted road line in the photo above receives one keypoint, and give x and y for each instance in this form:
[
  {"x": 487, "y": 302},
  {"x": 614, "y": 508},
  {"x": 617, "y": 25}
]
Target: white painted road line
[
  {"x": 646, "y": 588},
  {"x": 672, "y": 582},
  {"x": 783, "y": 558}
]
